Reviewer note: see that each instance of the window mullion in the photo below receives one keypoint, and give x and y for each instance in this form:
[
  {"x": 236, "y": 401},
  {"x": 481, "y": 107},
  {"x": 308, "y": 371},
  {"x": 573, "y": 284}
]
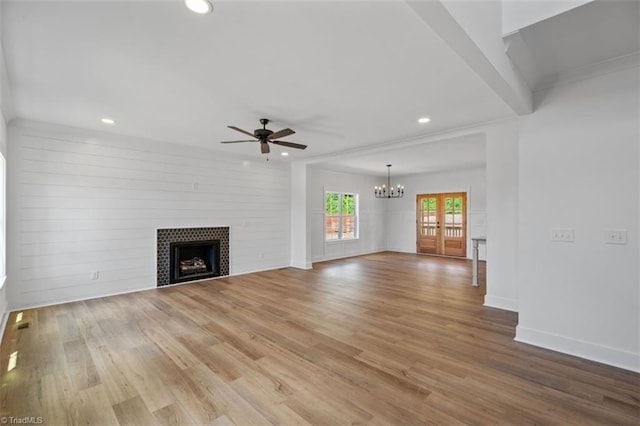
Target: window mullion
[{"x": 340, "y": 216}]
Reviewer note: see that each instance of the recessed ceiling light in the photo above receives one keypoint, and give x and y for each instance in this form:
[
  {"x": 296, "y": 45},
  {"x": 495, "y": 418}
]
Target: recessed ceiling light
[
  {"x": 284, "y": 154},
  {"x": 424, "y": 120},
  {"x": 199, "y": 6},
  {"x": 107, "y": 120}
]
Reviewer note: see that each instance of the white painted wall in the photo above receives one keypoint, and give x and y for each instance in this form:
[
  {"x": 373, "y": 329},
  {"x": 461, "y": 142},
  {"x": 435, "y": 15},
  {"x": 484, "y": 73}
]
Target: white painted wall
[
  {"x": 371, "y": 211},
  {"x": 4, "y": 306},
  {"x": 402, "y": 212},
  {"x": 517, "y": 14},
  {"x": 83, "y": 201},
  {"x": 5, "y": 114},
  {"x": 502, "y": 216},
  {"x": 300, "y": 238},
  {"x": 579, "y": 169}
]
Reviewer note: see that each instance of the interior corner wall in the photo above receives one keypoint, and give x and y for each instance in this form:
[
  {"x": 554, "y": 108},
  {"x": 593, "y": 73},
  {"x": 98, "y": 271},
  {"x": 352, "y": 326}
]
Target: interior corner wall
[
  {"x": 579, "y": 166},
  {"x": 502, "y": 216},
  {"x": 83, "y": 201},
  {"x": 402, "y": 212},
  {"x": 372, "y": 214}
]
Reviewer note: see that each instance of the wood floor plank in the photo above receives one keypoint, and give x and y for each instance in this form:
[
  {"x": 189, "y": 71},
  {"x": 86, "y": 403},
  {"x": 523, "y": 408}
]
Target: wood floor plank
[
  {"x": 81, "y": 367},
  {"x": 113, "y": 375},
  {"x": 133, "y": 412},
  {"x": 382, "y": 339},
  {"x": 174, "y": 415},
  {"x": 91, "y": 406}
]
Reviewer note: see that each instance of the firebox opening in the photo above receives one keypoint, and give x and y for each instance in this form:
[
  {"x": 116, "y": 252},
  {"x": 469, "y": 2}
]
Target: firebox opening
[{"x": 194, "y": 260}]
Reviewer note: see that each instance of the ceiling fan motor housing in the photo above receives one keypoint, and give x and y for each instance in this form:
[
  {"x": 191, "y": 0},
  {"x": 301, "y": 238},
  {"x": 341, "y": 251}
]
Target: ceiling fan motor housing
[{"x": 262, "y": 133}]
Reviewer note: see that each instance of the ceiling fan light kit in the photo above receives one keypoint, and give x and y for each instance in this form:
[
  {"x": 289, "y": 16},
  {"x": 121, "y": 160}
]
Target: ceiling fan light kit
[
  {"x": 266, "y": 136},
  {"x": 391, "y": 192}
]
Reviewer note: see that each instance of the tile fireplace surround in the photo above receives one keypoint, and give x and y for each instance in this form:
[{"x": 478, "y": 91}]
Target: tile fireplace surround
[{"x": 164, "y": 237}]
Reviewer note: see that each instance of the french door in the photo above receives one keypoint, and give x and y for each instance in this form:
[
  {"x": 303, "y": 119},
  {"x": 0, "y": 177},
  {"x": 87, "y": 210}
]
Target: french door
[{"x": 442, "y": 224}]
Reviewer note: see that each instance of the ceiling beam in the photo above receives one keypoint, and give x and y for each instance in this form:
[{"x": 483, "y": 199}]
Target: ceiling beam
[{"x": 491, "y": 64}]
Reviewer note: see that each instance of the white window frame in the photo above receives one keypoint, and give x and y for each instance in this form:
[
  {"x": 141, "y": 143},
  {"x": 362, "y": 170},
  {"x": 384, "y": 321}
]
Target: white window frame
[{"x": 356, "y": 224}]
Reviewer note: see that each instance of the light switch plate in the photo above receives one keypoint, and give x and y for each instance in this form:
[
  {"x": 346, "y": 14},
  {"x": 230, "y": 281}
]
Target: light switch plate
[{"x": 615, "y": 236}]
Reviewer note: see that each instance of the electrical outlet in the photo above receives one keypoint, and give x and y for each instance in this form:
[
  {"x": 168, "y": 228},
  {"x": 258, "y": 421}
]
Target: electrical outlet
[
  {"x": 615, "y": 236},
  {"x": 95, "y": 275},
  {"x": 564, "y": 235}
]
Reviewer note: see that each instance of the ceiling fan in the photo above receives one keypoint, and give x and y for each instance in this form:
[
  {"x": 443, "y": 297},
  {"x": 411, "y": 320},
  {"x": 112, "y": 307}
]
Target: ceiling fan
[{"x": 266, "y": 136}]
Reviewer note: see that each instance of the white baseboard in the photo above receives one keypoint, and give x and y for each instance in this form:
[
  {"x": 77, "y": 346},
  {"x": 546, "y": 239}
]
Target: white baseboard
[
  {"x": 302, "y": 265},
  {"x": 347, "y": 255},
  {"x": 501, "y": 303},
  {"x": 118, "y": 293},
  {"x": 604, "y": 354},
  {"x": 3, "y": 324},
  {"x": 62, "y": 301}
]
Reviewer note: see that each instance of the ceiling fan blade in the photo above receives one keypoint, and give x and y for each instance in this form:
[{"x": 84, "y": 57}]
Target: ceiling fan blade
[
  {"x": 264, "y": 147},
  {"x": 241, "y": 131},
  {"x": 290, "y": 144},
  {"x": 238, "y": 141},
  {"x": 281, "y": 134}
]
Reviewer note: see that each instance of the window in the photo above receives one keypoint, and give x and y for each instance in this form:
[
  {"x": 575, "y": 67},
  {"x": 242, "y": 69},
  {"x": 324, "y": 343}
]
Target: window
[{"x": 340, "y": 216}]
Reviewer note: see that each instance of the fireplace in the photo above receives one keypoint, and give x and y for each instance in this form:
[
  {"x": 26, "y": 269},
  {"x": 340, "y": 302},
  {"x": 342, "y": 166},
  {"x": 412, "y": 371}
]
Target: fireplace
[
  {"x": 203, "y": 251},
  {"x": 194, "y": 260}
]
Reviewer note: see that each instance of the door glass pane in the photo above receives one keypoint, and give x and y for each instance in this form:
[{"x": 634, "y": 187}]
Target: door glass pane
[
  {"x": 453, "y": 216},
  {"x": 457, "y": 210},
  {"x": 428, "y": 215}
]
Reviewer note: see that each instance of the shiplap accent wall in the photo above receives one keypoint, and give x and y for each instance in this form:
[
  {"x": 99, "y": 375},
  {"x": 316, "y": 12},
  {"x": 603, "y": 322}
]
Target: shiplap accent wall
[{"x": 84, "y": 201}]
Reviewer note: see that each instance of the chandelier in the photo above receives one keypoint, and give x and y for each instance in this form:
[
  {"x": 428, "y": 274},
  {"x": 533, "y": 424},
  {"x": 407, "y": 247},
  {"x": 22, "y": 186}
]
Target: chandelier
[{"x": 383, "y": 192}]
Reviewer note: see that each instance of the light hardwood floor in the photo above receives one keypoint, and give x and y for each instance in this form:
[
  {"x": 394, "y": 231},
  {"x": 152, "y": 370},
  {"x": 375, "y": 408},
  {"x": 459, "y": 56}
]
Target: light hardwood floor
[{"x": 381, "y": 339}]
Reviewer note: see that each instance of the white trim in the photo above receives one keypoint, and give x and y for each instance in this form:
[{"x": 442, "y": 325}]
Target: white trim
[
  {"x": 591, "y": 351},
  {"x": 3, "y": 324},
  {"x": 501, "y": 303},
  {"x": 77, "y": 299},
  {"x": 352, "y": 254},
  {"x": 80, "y": 299},
  {"x": 305, "y": 265},
  {"x": 631, "y": 60},
  {"x": 396, "y": 144},
  {"x": 357, "y": 216}
]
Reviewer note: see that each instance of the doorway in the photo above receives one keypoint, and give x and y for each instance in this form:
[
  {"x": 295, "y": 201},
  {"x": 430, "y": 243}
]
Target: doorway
[{"x": 442, "y": 224}]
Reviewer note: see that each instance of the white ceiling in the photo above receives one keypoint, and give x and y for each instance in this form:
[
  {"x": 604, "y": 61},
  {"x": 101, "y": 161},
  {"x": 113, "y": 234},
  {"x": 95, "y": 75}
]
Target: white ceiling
[
  {"x": 462, "y": 152},
  {"x": 343, "y": 74},
  {"x": 346, "y": 75}
]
